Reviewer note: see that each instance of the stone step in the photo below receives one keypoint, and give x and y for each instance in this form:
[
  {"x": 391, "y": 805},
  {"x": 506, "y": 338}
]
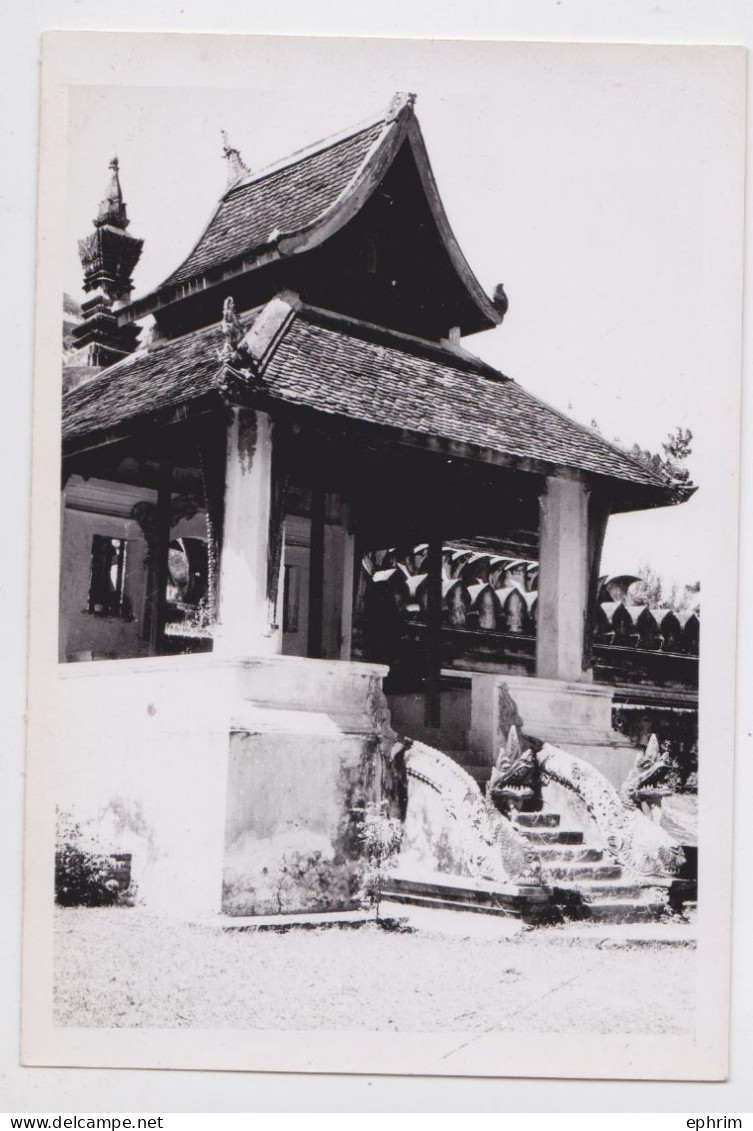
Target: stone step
[
  {"x": 553, "y": 836},
  {"x": 601, "y": 911},
  {"x": 582, "y": 872},
  {"x": 568, "y": 854},
  {"x": 454, "y": 888},
  {"x": 590, "y": 890},
  {"x": 527, "y": 902},
  {"x": 536, "y": 820},
  {"x": 471, "y": 887},
  {"x": 622, "y": 911},
  {"x": 416, "y": 900}
]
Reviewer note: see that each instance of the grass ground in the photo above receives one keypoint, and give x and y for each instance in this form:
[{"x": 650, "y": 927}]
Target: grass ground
[{"x": 117, "y": 967}]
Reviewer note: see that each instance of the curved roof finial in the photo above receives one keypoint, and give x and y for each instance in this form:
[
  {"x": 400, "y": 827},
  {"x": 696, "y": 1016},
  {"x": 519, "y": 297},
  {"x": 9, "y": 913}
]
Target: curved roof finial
[
  {"x": 399, "y": 103},
  {"x": 500, "y": 300},
  {"x": 236, "y": 167}
]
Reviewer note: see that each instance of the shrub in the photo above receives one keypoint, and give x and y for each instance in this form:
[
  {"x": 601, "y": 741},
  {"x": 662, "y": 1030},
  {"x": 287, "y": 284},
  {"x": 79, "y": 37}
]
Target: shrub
[
  {"x": 83, "y": 875},
  {"x": 380, "y": 836}
]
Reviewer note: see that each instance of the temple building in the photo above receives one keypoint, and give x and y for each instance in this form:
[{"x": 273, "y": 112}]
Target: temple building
[{"x": 304, "y": 515}]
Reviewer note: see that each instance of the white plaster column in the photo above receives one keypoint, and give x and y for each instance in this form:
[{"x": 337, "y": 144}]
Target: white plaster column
[
  {"x": 563, "y": 580},
  {"x": 248, "y": 624}
]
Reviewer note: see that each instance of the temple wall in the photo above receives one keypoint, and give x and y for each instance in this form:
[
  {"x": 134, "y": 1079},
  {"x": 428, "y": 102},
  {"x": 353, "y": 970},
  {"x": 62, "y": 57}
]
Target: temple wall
[
  {"x": 97, "y": 507},
  {"x": 407, "y": 712},
  {"x": 291, "y": 835},
  {"x": 87, "y": 635}
]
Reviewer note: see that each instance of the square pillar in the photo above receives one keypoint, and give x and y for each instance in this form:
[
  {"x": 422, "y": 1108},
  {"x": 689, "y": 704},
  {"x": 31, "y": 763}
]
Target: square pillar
[
  {"x": 248, "y": 621},
  {"x": 564, "y": 580}
]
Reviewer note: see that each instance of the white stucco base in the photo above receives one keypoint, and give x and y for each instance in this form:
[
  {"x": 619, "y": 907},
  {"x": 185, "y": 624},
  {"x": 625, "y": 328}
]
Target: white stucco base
[{"x": 181, "y": 761}]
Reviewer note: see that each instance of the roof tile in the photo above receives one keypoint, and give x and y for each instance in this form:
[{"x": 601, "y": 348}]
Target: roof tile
[
  {"x": 284, "y": 201},
  {"x": 165, "y": 375},
  {"x": 337, "y": 370}
]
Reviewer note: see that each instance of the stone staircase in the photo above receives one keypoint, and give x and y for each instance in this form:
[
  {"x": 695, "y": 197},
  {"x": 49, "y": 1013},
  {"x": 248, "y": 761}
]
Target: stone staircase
[
  {"x": 583, "y": 883},
  {"x": 578, "y": 882}
]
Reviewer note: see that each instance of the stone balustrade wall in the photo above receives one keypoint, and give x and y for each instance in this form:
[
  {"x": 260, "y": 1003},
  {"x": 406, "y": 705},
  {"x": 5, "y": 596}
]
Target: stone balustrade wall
[{"x": 486, "y": 593}]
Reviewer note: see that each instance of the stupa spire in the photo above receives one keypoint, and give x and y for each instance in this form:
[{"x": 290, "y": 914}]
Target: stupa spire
[
  {"x": 108, "y": 256},
  {"x": 112, "y": 209}
]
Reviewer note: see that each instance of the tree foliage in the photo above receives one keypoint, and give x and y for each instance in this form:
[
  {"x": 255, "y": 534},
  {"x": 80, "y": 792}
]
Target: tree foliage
[
  {"x": 652, "y": 590},
  {"x": 676, "y": 448}
]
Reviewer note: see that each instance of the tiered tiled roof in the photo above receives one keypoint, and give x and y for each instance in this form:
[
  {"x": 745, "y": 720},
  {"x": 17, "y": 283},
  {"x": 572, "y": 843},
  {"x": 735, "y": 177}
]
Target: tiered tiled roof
[
  {"x": 358, "y": 373},
  {"x": 300, "y": 202}
]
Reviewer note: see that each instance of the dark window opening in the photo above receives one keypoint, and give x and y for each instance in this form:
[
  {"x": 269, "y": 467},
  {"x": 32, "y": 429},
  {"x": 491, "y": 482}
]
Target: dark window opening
[{"x": 107, "y": 582}]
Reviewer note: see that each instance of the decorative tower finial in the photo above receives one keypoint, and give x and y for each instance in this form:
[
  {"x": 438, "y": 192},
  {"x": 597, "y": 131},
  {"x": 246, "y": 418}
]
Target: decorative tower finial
[
  {"x": 112, "y": 209},
  {"x": 108, "y": 256},
  {"x": 236, "y": 167}
]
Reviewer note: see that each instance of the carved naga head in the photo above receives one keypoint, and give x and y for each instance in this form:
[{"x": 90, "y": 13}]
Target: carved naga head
[
  {"x": 513, "y": 779},
  {"x": 649, "y": 774}
]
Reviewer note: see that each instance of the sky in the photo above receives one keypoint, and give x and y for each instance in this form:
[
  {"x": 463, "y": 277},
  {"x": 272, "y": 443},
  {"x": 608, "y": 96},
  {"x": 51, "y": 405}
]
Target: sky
[{"x": 602, "y": 185}]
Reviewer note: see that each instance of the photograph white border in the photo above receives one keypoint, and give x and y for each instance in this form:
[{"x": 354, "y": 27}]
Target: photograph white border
[{"x": 51, "y": 419}]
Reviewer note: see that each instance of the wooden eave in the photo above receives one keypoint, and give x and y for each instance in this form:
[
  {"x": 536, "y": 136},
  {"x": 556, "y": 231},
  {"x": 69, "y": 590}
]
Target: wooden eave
[{"x": 623, "y": 496}]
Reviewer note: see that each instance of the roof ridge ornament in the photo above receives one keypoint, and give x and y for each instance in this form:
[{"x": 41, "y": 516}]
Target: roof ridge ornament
[
  {"x": 399, "y": 103},
  {"x": 232, "y": 334},
  {"x": 236, "y": 166},
  {"x": 247, "y": 349},
  {"x": 500, "y": 300}
]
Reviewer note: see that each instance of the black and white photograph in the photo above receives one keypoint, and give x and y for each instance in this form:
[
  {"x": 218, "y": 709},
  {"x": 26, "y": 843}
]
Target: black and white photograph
[{"x": 382, "y": 631}]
